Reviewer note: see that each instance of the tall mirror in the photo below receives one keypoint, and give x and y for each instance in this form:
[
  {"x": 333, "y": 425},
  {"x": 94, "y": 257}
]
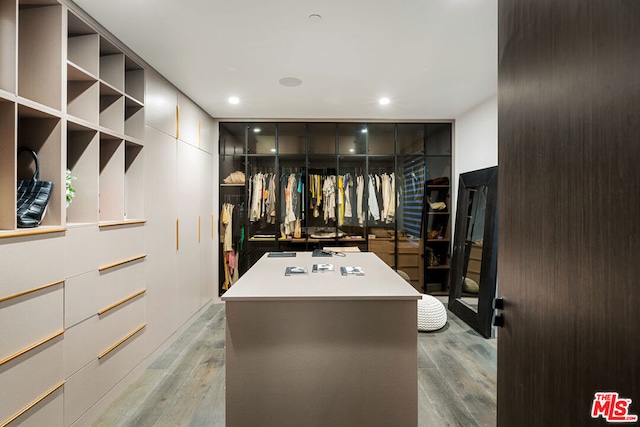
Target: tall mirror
[{"x": 473, "y": 270}]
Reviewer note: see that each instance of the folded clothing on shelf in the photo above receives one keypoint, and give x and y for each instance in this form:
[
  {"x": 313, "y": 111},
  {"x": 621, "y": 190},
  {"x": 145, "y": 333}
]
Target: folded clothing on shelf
[{"x": 236, "y": 177}]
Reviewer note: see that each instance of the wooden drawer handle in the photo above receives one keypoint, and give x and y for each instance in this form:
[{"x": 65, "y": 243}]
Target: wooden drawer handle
[
  {"x": 119, "y": 343},
  {"x": 31, "y": 347},
  {"x": 112, "y": 306},
  {"x": 106, "y": 267},
  {"x": 32, "y": 404},
  {"x": 31, "y": 291}
]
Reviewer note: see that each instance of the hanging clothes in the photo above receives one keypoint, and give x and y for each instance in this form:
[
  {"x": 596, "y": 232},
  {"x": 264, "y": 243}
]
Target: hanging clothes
[
  {"x": 374, "y": 209},
  {"x": 360, "y": 200},
  {"x": 329, "y": 195},
  {"x": 255, "y": 212},
  {"x": 340, "y": 200},
  {"x": 391, "y": 214},
  {"x": 348, "y": 190},
  {"x": 272, "y": 199}
]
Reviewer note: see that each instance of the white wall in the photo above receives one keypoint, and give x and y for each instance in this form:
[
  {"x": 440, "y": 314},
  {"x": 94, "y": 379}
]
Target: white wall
[
  {"x": 476, "y": 138},
  {"x": 475, "y": 142}
]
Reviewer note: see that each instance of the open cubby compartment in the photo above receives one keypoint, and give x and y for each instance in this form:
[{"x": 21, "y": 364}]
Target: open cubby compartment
[
  {"x": 111, "y": 65},
  {"x": 134, "y": 80},
  {"x": 83, "y": 46},
  {"x": 134, "y": 181},
  {"x": 83, "y": 153},
  {"x": 111, "y": 109},
  {"x": 42, "y": 133},
  {"x": 83, "y": 95},
  {"x": 111, "y": 179},
  {"x": 40, "y": 53},
  {"x": 133, "y": 118},
  {"x": 8, "y": 45},
  {"x": 7, "y": 165}
]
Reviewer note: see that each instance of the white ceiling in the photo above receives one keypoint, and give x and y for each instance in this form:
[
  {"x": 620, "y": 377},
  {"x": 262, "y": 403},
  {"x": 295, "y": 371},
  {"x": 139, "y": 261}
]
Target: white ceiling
[{"x": 434, "y": 59}]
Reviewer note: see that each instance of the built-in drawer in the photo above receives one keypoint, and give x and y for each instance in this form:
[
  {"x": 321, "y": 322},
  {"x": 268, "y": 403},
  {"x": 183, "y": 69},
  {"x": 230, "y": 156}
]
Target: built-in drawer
[
  {"x": 120, "y": 321},
  {"x": 27, "y": 378},
  {"x": 31, "y": 261},
  {"x": 82, "y": 249},
  {"x": 80, "y": 345},
  {"x": 118, "y": 283},
  {"x": 92, "y": 382},
  {"x": 29, "y": 318},
  {"x": 81, "y": 297},
  {"x": 118, "y": 243}
]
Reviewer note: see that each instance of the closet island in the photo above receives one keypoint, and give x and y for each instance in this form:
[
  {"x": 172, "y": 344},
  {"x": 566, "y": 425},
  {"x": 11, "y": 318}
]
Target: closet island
[{"x": 321, "y": 348}]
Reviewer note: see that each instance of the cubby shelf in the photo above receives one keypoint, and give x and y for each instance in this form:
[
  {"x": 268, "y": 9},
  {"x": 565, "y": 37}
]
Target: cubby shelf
[{"x": 84, "y": 113}]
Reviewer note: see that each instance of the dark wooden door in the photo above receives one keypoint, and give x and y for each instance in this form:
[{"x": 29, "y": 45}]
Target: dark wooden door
[{"x": 569, "y": 209}]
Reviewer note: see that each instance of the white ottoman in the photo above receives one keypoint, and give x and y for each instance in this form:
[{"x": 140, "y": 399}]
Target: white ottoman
[{"x": 431, "y": 314}]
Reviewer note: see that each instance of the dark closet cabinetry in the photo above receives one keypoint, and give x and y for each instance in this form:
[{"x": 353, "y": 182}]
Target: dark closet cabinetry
[{"x": 355, "y": 186}]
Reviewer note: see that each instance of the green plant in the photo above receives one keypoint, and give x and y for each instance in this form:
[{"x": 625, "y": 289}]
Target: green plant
[{"x": 71, "y": 192}]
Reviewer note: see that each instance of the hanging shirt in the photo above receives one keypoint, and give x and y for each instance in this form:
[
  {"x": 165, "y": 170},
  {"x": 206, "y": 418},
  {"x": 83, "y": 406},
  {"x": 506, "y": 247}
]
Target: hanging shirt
[
  {"x": 256, "y": 199},
  {"x": 272, "y": 199},
  {"x": 392, "y": 198},
  {"x": 348, "y": 188},
  {"x": 340, "y": 201},
  {"x": 374, "y": 209},
  {"x": 329, "y": 196},
  {"x": 228, "y": 230},
  {"x": 360, "y": 199}
]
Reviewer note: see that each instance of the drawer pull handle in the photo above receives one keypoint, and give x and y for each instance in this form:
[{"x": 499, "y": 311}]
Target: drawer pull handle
[
  {"x": 117, "y": 223},
  {"x": 32, "y": 404},
  {"x": 106, "y": 267},
  {"x": 112, "y": 306},
  {"x": 31, "y": 291},
  {"x": 31, "y": 347},
  {"x": 119, "y": 343}
]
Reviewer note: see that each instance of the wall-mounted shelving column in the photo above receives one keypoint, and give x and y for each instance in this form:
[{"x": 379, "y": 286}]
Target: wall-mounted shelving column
[
  {"x": 83, "y": 152},
  {"x": 7, "y": 165},
  {"x": 42, "y": 133},
  {"x": 40, "y": 53},
  {"x": 8, "y": 53},
  {"x": 134, "y": 179},
  {"x": 112, "y": 158},
  {"x": 83, "y": 88},
  {"x": 134, "y": 99}
]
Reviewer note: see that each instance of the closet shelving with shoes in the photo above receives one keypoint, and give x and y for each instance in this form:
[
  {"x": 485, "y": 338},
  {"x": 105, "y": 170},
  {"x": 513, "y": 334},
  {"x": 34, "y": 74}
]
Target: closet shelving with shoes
[{"x": 356, "y": 185}]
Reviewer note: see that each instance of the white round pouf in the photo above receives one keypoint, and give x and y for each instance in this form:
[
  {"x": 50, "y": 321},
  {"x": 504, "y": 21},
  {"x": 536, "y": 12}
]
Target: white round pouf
[{"x": 431, "y": 314}]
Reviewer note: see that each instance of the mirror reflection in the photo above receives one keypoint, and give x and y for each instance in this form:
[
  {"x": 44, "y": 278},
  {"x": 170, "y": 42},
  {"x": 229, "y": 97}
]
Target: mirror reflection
[{"x": 472, "y": 267}]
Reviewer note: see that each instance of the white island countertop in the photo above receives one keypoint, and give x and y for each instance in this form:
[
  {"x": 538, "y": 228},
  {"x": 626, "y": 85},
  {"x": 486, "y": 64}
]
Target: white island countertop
[{"x": 266, "y": 280}]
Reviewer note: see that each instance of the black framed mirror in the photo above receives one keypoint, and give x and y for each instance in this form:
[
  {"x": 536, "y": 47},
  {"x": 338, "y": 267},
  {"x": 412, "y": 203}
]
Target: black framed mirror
[{"x": 474, "y": 263}]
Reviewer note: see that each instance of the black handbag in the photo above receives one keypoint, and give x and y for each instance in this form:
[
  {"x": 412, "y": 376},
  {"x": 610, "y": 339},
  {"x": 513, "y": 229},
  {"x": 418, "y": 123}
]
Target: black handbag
[{"x": 33, "y": 195}]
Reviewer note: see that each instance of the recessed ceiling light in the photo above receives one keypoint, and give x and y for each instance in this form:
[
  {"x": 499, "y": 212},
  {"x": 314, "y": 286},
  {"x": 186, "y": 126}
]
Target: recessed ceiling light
[
  {"x": 234, "y": 100},
  {"x": 384, "y": 101},
  {"x": 290, "y": 81},
  {"x": 257, "y": 130}
]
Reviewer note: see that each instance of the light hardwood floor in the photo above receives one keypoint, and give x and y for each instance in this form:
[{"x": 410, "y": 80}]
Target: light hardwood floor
[{"x": 185, "y": 385}]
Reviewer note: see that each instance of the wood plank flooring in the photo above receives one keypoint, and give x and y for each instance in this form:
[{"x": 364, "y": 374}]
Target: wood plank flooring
[{"x": 185, "y": 385}]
